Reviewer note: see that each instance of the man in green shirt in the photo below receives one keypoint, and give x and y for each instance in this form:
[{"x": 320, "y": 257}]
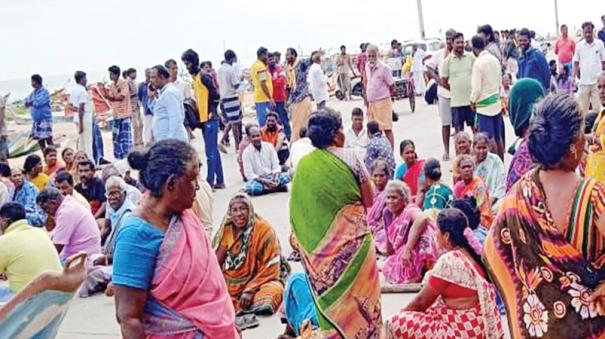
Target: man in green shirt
[
  {"x": 456, "y": 77},
  {"x": 25, "y": 251}
]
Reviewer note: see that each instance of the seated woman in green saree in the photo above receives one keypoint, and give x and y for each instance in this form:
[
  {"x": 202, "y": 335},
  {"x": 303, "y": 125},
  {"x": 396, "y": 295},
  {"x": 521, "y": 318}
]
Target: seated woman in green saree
[
  {"x": 330, "y": 194},
  {"x": 546, "y": 249}
]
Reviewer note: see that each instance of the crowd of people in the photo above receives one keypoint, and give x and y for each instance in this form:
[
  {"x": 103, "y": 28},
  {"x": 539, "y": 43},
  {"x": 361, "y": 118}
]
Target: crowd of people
[{"x": 526, "y": 241}]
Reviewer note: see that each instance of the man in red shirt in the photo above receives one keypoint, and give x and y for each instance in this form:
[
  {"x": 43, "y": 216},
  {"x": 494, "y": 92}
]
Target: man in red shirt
[
  {"x": 274, "y": 134},
  {"x": 278, "y": 79},
  {"x": 565, "y": 48}
]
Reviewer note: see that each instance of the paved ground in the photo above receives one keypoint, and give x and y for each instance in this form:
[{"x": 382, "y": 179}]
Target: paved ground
[{"x": 95, "y": 317}]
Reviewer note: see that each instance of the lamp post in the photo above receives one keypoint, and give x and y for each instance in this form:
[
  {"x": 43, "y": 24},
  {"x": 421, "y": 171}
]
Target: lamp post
[
  {"x": 421, "y": 19},
  {"x": 556, "y": 17}
]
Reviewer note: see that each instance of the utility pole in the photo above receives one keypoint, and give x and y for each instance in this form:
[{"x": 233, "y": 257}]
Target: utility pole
[
  {"x": 556, "y": 17},
  {"x": 421, "y": 19}
]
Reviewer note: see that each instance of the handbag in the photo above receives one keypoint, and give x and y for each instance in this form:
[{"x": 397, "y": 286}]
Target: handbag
[{"x": 192, "y": 117}]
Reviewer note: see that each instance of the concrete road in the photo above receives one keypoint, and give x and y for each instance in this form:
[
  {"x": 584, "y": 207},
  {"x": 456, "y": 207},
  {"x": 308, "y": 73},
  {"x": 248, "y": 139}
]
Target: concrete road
[{"x": 95, "y": 317}]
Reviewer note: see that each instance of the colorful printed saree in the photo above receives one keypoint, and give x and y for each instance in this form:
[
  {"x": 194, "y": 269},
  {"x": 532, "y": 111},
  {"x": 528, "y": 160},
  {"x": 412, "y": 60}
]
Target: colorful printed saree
[
  {"x": 440, "y": 321},
  {"x": 545, "y": 276},
  {"x": 375, "y": 221},
  {"x": 252, "y": 263},
  {"x": 395, "y": 269},
  {"x": 330, "y": 226},
  {"x": 477, "y": 189},
  {"x": 188, "y": 298}
]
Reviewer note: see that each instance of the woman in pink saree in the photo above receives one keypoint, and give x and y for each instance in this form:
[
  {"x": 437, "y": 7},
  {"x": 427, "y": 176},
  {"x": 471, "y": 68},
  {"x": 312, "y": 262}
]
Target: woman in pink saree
[
  {"x": 380, "y": 178},
  {"x": 410, "y": 241},
  {"x": 167, "y": 280}
]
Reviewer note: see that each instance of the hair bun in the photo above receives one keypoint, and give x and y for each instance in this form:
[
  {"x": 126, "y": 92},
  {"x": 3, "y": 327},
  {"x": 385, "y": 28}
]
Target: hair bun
[{"x": 138, "y": 160}]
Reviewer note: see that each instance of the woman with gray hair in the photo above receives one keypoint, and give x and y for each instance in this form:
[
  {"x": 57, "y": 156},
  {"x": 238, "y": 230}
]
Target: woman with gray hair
[
  {"x": 410, "y": 240},
  {"x": 117, "y": 209}
]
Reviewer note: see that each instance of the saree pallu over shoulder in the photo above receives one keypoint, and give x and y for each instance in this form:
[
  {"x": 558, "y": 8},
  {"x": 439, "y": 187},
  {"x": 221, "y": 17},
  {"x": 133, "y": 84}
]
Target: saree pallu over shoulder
[
  {"x": 189, "y": 286},
  {"x": 545, "y": 276},
  {"x": 337, "y": 249}
]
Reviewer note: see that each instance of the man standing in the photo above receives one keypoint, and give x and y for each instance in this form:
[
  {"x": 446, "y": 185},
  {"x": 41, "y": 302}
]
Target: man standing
[
  {"x": 491, "y": 45},
  {"x": 137, "y": 122},
  {"x": 434, "y": 67},
  {"x": 318, "y": 81},
  {"x": 80, "y": 101},
  {"x": 229, "y": 81},
  {"x": 565, "y": 48},
  {"x": 418, "y": 56},
  {"x": 38, "y": 103},
  {"x": 344, "y": 65},
  {"x": 144, "y": 98},
  {"x": 485, "y": 94},
  {"x": 263, "y": 86},
  {"x": 362, "y": 58},
  {"x": 589, "y": 61},
  {"x": 206, "y": 99},
  {"x": 168, "y": 109},
  {"x": 119, "y": 99},
  {"x": 183, "y": 87},
  {"x": 456, "y": 77},
  {"x": 278, "y": 79},
  {"x": 3, "y": 130},
  {"x": 378, "y": 88},
  {"x": 299, "y": 102},
  {"x": 291, "y": 64},
  {"x": 532, "y": 63}
]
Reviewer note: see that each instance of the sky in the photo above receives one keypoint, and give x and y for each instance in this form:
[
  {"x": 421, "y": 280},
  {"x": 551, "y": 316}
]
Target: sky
[{"x": 56, "y": 37}]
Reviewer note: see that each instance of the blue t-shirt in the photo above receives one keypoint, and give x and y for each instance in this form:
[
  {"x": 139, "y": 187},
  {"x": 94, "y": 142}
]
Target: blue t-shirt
[
  {"x": 402, "y": 170},
  {"x": 136, "y": 250}
]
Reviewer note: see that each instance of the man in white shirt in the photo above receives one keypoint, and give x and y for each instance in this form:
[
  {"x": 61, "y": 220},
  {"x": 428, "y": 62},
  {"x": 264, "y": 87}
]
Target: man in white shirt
[
  {"x": 300, "y": 148},
  {"x": 183, "y": 86},
  {"x": 80, "y": 101},
  {"x": 418, "y": 56},
  {"x": 486, "y": 80},
  {"x": 229, "y": 81},
  {"x": 168, "y": 110},
  {"x": 261, "y": 167},
  {"x": 434, "y": 66},
  {"x": 318, "y": 82},
  {"x": 589, "y": 62},
  {"x": 356, "y": 136}
]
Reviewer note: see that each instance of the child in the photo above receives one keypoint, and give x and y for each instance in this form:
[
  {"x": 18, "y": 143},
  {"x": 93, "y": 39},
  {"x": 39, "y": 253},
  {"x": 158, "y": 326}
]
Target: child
[
  {"x": 437, "y": 195},
  {"x": 564, "y": 83}
]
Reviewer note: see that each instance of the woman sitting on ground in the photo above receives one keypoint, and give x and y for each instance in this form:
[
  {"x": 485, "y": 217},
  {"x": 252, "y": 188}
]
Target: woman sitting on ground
[
  {"x": 380, "y": 178},
  {"x": 32, "y": 168},
  {"x": 248, "y": 253},
  {"x": 411, "y": 170},
  {"x": 523, "y": 96},
  {"x": 468, "y": 206},
  {"x": 458, "y": 301},
  {"x": 118, "y": 208},
  {"x": 53, "y": 165},
  {"x": 68, "y": 158},
  {"x": 438, "y": 195},
  {"x": 547, "y": 247},
  {"x": 167, "y": 280},
  {"x": 463, "y": 145},
  {"x": 471, "y": 185},
  {"x": 79, "y": 157},
  {"x": 489, "y": 168},
  {"x": 410, "y": 244}
]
